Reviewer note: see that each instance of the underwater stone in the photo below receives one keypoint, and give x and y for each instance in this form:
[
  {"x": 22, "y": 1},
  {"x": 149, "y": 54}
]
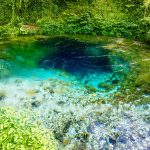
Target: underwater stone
[
  {"x": 4, "y": 64},
  {"x": 2, "y": 95},
  {"x": 132, "y": 138},
  {"x": 149, "y": 133},
  {"x": 35, "y": 104},
  {"x": 97, "y": 123},
  {"x": 5, "y": 68},
  {"x": 122, "y": 139},
  {"x": 115, "y": 81},
  {"x": 90, "y": 129},
  {"x": 61, "y": 102},
  {"x": 33, "y": 97},
  {"x": 18, "y": 81},
  {"x": 112, "y": 141},
  {"x": 48, "y": 89},
  {"x": 90, "y": 89},
  {"x": 105, "y": 86},
  {"x": 142, "y": 134}
]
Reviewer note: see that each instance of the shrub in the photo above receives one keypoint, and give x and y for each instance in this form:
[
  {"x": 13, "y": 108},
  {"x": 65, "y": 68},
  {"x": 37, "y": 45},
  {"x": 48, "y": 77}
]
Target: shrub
[
  {"x": 145, "y": 27},
  {"x": 17, "y": 133},
  {"x": 50, "y": 26},
  {"x": 148, "y": 36},
  {"x": 7, "y": 30}
]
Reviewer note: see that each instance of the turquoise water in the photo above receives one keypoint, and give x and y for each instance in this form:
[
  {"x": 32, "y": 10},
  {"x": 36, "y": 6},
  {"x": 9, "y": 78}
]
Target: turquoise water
[{"x": 66, "y": 59}]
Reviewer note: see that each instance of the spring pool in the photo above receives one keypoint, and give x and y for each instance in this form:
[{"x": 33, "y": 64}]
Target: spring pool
[
  {"x": 65, "y": 59},
  {"x": 92, "y": 92}
]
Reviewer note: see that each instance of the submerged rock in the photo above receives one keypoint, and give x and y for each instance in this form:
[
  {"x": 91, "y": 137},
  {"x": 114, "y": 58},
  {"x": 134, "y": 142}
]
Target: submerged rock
[
  {"x": 35, "y": 104},
  {"x": 2, "y": 95},
  {"x": 4, "y": 68}
]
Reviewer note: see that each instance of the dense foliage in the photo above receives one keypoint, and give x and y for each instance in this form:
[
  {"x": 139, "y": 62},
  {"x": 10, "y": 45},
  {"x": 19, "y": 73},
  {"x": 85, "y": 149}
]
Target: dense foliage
[
  {"x": 119, "y": 18},
  {"x": 16, "y": 132}
]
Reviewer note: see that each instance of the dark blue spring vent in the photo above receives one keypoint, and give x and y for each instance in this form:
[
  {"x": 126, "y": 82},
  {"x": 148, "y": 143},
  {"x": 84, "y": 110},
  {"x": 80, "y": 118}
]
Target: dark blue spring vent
[{"x": 75, "y": 57}]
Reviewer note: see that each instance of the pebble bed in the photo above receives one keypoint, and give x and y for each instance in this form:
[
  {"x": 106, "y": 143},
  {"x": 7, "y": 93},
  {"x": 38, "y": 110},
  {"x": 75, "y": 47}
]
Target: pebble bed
[{"x": 79, "y": 119}]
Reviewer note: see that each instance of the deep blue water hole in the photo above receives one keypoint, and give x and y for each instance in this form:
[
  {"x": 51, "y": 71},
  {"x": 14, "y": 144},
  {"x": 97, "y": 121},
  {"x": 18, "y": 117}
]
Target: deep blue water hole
[
  {"x": 75, "y": 57},
  {"x": 89, "y": 63}
]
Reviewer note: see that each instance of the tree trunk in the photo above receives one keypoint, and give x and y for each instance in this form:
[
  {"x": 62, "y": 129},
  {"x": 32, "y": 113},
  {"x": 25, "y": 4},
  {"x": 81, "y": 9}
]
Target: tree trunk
[{"x": 13, "y": 11}]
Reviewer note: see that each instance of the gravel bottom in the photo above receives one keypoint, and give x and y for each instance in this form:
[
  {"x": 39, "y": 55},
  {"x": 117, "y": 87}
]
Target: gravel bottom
[{"x": 78, "y": 118}]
